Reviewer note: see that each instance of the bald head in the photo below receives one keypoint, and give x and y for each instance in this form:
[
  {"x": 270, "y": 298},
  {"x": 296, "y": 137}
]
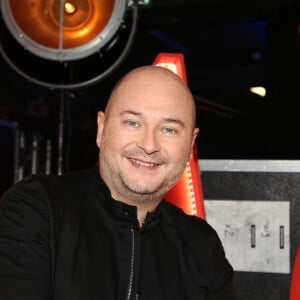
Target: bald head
[
  {"x": 146, "y": 135},
  {"x": 152, "y": 80}
]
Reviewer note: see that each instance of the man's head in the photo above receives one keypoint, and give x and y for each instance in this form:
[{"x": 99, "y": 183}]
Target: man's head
[{"x": 146, "y": 134}]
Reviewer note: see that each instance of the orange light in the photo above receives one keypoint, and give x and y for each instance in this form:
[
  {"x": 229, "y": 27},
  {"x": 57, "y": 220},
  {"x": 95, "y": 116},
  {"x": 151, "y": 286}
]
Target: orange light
[
  {"x": 64, "y": 30},
  {"x": 88, "y": 14},
  {"x": 187, "y": 193},
  {"x": 69, "y": 8}
]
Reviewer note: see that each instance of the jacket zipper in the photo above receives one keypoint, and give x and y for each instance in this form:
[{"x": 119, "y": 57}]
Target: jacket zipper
[{"x": 132, "y": 257}]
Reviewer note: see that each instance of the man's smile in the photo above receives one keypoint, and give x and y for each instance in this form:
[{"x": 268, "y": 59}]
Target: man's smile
[{"x": 143, "y": 163}]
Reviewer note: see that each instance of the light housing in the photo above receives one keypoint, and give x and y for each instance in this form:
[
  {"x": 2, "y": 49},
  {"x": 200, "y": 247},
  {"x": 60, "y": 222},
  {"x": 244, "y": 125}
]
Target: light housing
[
  {"x": 63, "y": 30},
  {"x": 67, "y": 44}
]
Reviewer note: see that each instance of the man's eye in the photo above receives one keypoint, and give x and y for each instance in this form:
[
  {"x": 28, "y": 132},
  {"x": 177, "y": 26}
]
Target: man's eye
[
  {"x": 132, "y": 123},
  {"x": 169, "y": 130}
]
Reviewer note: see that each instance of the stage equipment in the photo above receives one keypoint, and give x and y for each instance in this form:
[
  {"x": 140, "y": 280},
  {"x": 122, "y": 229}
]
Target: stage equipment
[
  {"x": 58, "y": 40},
  {"x": 187, "y": 193},
  {"x": 63, "y": 30},
  {"x": 254, "y": 206}
]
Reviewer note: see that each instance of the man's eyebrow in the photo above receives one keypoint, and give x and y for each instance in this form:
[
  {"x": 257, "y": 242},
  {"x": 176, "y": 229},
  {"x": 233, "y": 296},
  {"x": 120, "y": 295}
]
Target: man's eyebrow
[
  {"x": 176, "y": 121},
  {"x": 130, "y": 112}
]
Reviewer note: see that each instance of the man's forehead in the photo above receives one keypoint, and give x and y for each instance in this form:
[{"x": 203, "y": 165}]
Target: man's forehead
[{"x": 150, "y": 94}]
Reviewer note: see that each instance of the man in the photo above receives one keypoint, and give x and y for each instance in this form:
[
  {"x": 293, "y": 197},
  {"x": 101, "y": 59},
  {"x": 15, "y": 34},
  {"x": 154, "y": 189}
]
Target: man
[{"x": 107, "y": 233}]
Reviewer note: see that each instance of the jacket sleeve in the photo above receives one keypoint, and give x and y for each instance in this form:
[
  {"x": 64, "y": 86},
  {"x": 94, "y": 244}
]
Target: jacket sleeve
[{"x": 25, "y": 264}]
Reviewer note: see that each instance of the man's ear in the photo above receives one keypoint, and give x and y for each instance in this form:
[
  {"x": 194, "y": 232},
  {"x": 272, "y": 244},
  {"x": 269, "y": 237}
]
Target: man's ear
[
  {"x": 100, "y": 122},
  {"x": 195, "y": 133}
]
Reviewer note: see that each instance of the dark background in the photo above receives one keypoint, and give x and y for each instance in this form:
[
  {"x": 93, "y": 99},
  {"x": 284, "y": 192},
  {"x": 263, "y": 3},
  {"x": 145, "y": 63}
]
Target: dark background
[{"x": 228, "y": 46}]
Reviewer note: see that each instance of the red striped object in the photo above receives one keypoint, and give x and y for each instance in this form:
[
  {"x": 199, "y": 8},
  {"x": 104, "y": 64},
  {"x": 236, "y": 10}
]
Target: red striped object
[{"x": 295, "y": 284}]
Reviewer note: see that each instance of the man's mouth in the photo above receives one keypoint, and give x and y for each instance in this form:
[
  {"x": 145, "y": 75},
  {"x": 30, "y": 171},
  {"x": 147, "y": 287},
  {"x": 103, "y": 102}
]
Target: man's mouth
[{"x": 143, "y": 163}]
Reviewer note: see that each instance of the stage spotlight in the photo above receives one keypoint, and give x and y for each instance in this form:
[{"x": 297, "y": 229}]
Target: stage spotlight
[
  {"x": 67, "y": 44},
  {"x": 63, "y": 30}
]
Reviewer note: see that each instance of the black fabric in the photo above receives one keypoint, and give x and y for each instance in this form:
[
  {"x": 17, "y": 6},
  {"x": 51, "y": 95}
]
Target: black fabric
[{"x": 64, "y": 237}]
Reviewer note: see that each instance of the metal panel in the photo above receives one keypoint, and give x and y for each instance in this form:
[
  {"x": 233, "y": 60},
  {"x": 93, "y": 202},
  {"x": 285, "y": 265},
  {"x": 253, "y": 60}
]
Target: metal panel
[{"x": 255, "y": 234}]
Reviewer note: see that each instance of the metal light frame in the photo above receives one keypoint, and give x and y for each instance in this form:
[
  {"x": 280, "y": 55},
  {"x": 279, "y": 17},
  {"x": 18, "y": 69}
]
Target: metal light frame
[
  {"x": 60, "y": 53},
  {"x": 99, "y": 45}
]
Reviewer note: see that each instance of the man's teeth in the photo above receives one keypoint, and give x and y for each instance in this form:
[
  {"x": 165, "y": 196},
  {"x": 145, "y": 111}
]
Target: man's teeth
[{"x": 143, "y": 164}]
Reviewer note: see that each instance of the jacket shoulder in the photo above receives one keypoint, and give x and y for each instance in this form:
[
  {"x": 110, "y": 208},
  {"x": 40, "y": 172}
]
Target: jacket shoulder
[
  {"x": 46, "y": 196},
  {"x": 204, "y": 247}
]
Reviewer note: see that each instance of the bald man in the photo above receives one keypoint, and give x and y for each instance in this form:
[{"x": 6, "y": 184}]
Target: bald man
[{"x": 106, "y": 232}]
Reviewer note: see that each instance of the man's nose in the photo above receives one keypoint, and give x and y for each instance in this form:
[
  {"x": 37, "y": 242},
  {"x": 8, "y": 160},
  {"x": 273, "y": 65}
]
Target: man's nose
[{"x": 148, "y": 141}]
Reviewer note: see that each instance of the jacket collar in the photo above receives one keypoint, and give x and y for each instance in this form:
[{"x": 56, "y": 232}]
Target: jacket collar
[{"x": 122, "y": 211}]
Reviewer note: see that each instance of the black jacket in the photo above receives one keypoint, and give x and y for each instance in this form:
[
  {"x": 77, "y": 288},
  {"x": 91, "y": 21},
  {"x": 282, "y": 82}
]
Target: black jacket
[{"x": 65, "y": 238}]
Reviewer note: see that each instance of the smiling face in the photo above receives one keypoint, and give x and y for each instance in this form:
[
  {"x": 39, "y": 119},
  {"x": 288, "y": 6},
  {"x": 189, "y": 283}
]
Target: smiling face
[{"x": 146, "y": 135}]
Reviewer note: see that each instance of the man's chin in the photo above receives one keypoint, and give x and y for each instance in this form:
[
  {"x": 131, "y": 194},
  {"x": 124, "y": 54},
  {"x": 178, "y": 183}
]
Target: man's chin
[{"x": 144, "y": 189}]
